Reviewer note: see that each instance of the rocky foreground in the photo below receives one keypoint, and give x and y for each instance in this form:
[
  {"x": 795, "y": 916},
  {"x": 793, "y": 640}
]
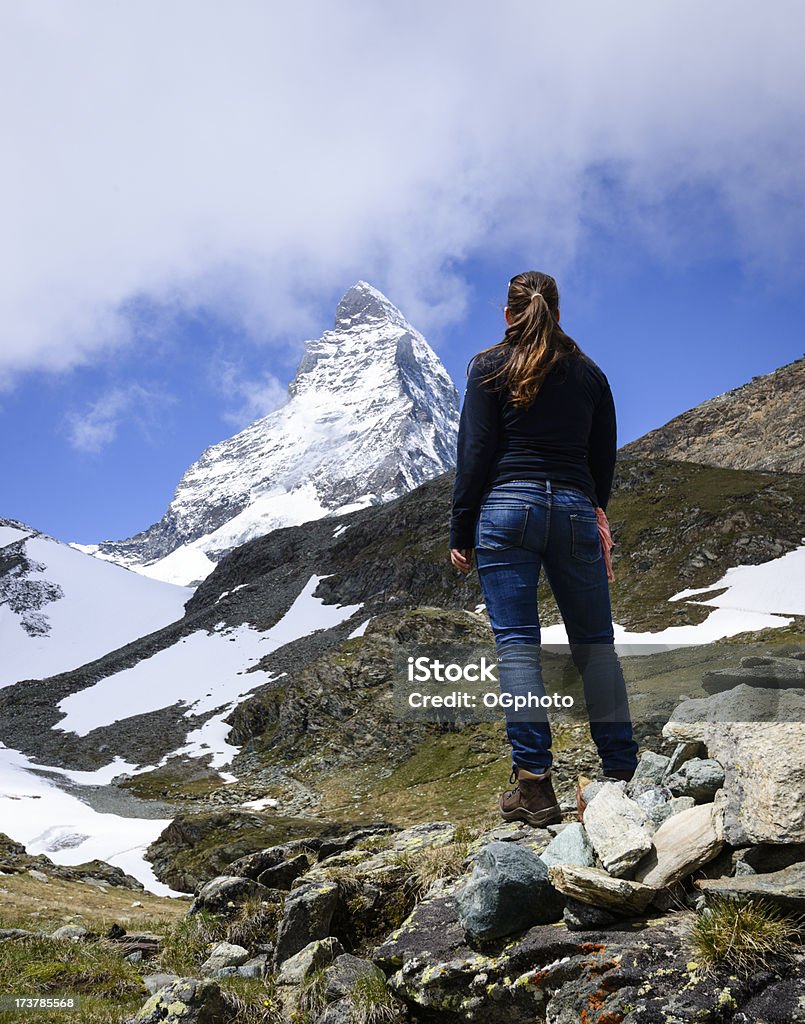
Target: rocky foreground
[{"x": 608, "y": 919}]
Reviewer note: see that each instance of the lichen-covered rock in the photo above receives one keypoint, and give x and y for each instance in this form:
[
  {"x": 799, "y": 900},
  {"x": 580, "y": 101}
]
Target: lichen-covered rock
[
  {"x": 700, "y": 777},
  {"x": 618, "y": 829},
  {"x": 507, "y": 892},
  {"x": 570, "y": 846},
  {"x": 284, "y": 874},
  {"x": 681, "y": 845},
  {"x": 186, "y": 1001},
  {"x": 307, "y": 913}
]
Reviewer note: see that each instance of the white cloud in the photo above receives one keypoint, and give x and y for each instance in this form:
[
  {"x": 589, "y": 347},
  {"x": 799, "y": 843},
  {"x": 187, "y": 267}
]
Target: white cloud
[
  {"x": 254, "y": 158},
  {"x": 98, "y": 424},
  {"x": 249, "y": 399}
]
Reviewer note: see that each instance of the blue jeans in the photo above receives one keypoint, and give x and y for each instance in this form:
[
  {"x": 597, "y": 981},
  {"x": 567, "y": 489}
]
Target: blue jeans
[{"x": 522, "y": 527}]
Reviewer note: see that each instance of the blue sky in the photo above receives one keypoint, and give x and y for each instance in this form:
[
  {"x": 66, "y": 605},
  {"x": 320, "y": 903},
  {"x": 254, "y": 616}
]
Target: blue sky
[{"x": 179, "y": 225}]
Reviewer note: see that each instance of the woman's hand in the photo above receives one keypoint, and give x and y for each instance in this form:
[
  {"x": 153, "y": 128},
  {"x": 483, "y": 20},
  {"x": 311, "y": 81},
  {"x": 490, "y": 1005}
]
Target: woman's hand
[{"x": 461, "y": 559}]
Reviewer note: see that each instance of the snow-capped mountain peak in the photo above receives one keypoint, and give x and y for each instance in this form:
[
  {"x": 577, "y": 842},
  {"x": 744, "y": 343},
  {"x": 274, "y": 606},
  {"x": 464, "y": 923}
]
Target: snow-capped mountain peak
[{"x": 371, "y": 414}]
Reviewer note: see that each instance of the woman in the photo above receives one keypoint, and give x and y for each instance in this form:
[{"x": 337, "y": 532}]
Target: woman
[{"x": 536, "y": 457}]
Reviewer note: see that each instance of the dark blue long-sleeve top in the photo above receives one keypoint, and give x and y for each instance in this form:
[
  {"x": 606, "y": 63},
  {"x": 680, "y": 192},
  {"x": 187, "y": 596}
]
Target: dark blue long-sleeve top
[{"x": 568, "y": 435}]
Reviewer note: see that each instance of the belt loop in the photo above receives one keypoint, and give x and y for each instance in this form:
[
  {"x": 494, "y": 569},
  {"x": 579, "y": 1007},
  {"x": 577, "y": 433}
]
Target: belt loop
[{"x": 547, "y": 486}]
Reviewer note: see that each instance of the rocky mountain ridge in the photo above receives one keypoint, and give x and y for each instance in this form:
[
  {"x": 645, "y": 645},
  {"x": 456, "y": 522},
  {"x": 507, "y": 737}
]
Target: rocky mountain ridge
[{"x": 759, "y": 425}]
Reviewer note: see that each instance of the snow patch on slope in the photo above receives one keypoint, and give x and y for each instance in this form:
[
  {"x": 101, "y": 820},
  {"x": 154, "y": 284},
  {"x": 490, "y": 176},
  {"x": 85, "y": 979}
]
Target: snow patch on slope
[
  {"x": 60, "y": 608},
  {"x": 47, "y": 819},
  {"x": 756, "y": 597}
]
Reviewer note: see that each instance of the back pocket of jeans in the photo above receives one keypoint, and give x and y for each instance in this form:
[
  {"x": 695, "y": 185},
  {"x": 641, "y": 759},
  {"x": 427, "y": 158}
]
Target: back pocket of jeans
[
  {"x": 585, "y": 539},
  {"x": 502, "y": 526}
]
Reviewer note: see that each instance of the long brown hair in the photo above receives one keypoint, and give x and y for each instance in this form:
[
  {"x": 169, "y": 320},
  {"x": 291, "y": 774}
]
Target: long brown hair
[{"x": 534, "y": 343}]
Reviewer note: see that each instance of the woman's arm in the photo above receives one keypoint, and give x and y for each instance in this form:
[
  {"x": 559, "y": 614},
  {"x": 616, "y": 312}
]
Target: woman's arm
[
  {"x": 603, "y": 446},
  {"x": 478, "y": 434}
]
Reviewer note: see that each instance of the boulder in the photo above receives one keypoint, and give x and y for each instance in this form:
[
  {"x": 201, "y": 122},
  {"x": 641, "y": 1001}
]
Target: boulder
[
  {"x": 74, "y": 932},
  {"x": 507, "y": 891},
  {"x": 307, "y": 913},
  {"x": 681, "y": 845},
  {"x": 758, "y": 735},
  {"x": 594, "y": 886},
  {"x": 284, "y": 874},
  {"x": 699, "y": 777},
  {"x": 785, "y": 888},
  {"x": 225, "y": 893},
  {"x": 224, "y": 954},
  {"x": 185, "y": 1001},
  {"x": 618, "y": 830}
]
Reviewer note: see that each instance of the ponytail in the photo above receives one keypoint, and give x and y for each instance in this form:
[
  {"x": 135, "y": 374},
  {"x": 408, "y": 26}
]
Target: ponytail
[{"x": 533, "y": 343}]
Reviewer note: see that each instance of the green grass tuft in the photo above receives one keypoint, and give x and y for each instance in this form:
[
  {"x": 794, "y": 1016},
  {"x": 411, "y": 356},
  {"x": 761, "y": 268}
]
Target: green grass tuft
[
  {"x": 743, "y": 936},
  {"x": 372, "y": 1001}
]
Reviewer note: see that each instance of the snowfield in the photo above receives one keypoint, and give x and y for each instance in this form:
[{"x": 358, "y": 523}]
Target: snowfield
[{"x": 62, "y": 609}]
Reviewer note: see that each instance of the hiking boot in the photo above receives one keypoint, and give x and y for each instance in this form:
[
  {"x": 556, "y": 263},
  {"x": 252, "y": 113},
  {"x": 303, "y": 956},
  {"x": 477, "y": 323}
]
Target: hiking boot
[
  {"x": 619, "y": 775},
  {"x": 532, "y": 800}
]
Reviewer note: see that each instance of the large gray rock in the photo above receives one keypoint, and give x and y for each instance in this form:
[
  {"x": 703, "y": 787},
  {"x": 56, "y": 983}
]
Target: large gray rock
[
  {"x": 284, "y": 874},
  {"x": 299, "y": 969},
  {"x": 785, "y": 888},
  {"x": 74, "y": 932},
  {"x": 700, "y": 778},
  {"x": 618, "y": 830},
  {"x": 507, "y": 892},
  {"x": 306, "y": 916},
  {"x": 224, "y": 954},
  {"x": 594, "y": 886},
  {"x": 681, "y": 845},
  {"x": 758, "y": 736},
  {"x": 570, "y": 846},
  {"x": 225, "y": 893},
  {"x": 185, "y": 1001}
]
